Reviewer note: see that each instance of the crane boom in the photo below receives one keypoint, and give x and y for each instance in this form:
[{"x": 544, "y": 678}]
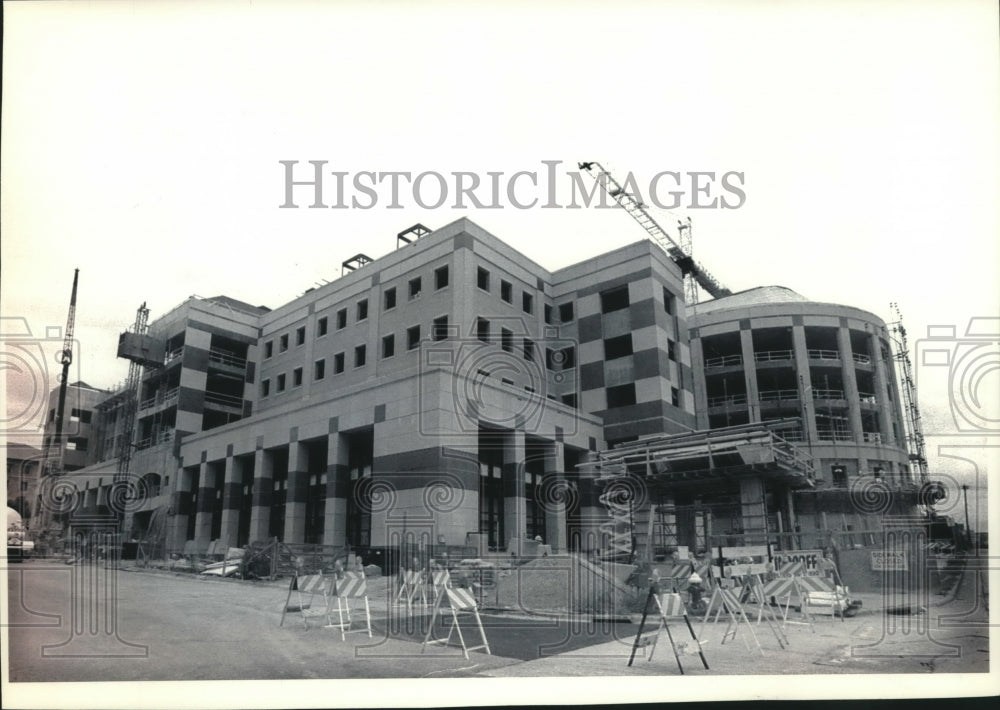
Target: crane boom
[
  {"x": 680, "y": 253},
  {"x": 66, "y": 359}
]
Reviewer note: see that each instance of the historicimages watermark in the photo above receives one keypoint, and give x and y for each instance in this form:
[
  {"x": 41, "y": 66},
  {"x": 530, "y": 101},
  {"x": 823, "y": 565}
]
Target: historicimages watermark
[{"x": 317, "y": 184}]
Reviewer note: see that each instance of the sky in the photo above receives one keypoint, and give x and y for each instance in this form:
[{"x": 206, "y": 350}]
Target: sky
[{"x": 141, "y": 144}]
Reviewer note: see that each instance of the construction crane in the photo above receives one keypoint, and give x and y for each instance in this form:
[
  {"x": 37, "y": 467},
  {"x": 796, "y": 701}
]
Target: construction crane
[
  {"x": 65, "y": 359},
  {"x": 141, "y": 351},
  {"x": 914, "y": 429},
  {"x": 679, "y": 251}
]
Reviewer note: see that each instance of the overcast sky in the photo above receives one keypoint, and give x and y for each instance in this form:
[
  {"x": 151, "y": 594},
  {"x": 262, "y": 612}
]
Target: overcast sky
[{"x": 141, "y": 144}]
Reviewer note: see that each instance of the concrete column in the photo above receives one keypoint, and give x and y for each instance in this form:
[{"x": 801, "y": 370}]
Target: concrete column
[
  {"x": 555, "y": 501},
  {"x": 260, "y": 513},
  {"x": 181, "y": 505},
  {"x": 513, "y": 488},
  {"x": 750, "y": 374},
  {"x": 805, "y": 383},
  {"x": 232, "y": 492},
  {"x": 295, "y": 496},
  {"x": 882, "y": 385},
  {"x": 698, "y": 375},
  {"x": 793, "y": 519},
  {"x": 335, "y": 512},
  {"x": 206, "y": 500},
  {"x": 850, "y": 383},
  {"x": 752, "y": 503}
]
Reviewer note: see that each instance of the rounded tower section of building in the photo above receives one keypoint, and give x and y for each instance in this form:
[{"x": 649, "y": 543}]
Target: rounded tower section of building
[{"x": 769, "y": 354}]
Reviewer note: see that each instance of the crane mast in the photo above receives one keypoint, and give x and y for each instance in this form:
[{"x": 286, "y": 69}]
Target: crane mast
[
  {"x": 914, "y": 428},
  {"x": 65, "y": 359},
  {"x": 679, "y": 251}
]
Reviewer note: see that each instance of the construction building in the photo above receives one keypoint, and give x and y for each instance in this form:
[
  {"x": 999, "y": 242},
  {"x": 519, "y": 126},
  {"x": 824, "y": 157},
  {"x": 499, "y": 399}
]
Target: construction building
[{"x": 456, "y": 390}]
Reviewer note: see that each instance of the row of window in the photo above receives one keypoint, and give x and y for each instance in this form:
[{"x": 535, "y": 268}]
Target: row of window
[
  {"x": 624, "y": 396},
  {"x": 617, "y": 298},
  {"x": 621, "y": 346},
  {"x": 483, "y": 281},
  {"x": 439, "y": 331},
  {"x": 414, "y": 289}
]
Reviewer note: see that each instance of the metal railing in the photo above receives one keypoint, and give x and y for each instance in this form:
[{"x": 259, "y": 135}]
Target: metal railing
[
  {"x": 867, "y": 398},
  {"x": 828, "y": 394},
  {"x": 225, "y": 400},
  {"x": 224, "y": 357},
  {"x": 154, "y": 439},
  {"x": 173, "y": 355},
  {"x": 871, "y": 437},
  {"x": 778, "y": 395},
  {"x": 818, "y": 354},
  {"x": 773, "y": 355},
  {"x": 830, "y": 435},
  {"x": 160, "y": 397},
  {"x": 724, "y": 361},
  {"x": 861, "y": 358},
  {"x": 727, "y": 399}
]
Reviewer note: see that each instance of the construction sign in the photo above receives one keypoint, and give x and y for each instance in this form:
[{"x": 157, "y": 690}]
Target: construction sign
[
  {"x": 809, "y": 558},
  {"x": 889, "y": 561}
]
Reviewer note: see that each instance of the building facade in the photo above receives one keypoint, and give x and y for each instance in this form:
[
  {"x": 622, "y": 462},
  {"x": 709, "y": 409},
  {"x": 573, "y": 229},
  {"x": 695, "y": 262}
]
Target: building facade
[
  {"x": 452, "y": 388},
  {"x": 456, "y": 391}
]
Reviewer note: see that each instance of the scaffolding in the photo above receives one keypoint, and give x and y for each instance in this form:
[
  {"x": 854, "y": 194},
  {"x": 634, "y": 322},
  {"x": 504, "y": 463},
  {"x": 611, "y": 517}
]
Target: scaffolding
[
  {"x": 133, "y": 345},
  {"x": 911, "y": 420}
]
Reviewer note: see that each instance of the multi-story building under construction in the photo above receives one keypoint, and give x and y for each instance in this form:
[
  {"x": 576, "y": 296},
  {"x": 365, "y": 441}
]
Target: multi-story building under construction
[{"x": 456, "y": 389}]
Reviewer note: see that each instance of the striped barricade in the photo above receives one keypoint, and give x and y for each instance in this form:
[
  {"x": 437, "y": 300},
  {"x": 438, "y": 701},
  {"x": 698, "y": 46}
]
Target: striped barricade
[
  {"x": 669, "y": 605},
  {"x": 440, "y": 580},
  {"x": 352, "y": 585},
  {"x": 460, "y": 601},
  {"x": 410, "y": 587},
  {"x": 306, "y": 587},
  {"x": 822, "y": 596},
  {"x": 677, "y": 575},
  {"x": 783, "y": 587}
]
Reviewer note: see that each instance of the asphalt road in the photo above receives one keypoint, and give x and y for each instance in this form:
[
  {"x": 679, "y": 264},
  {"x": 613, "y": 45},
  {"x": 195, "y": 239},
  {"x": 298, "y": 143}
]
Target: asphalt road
[{"x": 73, "y": 623}]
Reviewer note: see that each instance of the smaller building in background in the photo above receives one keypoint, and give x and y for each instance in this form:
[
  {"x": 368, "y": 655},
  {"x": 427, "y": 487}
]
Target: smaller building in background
[{"x": 24, "y": 464}]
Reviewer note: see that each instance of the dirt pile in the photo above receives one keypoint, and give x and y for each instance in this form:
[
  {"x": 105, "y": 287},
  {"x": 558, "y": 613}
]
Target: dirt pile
[{"x": 566, "y": 584}]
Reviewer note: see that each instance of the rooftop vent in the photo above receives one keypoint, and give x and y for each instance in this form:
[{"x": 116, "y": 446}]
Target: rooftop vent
[
  {"x": 355, "y": 262},
  {"x": 410, "y": 235}
]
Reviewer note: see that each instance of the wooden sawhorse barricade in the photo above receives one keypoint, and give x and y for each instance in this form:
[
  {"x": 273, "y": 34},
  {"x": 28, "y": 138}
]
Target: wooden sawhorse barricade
[
  {"x": 352, "y": 585},
  {"x": 668, "y": 606},
  {"x": 734, "y": 583},
  {"x": 460, "y": 601},
  {"x": 411, "y": 586},
  {"x": 306, "y": 587}
]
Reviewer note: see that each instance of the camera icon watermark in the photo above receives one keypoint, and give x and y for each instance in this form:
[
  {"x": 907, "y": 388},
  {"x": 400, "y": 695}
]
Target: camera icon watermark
[
  {"x": 497, "y": 375},
  {"x": 969, "y": 366},
  {"x": 32, "y": 368}
]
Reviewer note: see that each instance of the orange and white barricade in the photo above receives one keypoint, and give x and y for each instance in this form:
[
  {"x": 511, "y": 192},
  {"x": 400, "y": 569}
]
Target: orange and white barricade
[
  {"x": 460, "y": 601},
  {"x": 668, "y": 606},
  {"x": 411, "y": 586},
  {"x": 440, "y": 580},
  {"x": 306, "y": 587},
  {"x": 351, "y": 586},
  {"x": 824, "y": 596},
  {"x": 736, "y": 582},
  {"x": 786, "y": 584}
]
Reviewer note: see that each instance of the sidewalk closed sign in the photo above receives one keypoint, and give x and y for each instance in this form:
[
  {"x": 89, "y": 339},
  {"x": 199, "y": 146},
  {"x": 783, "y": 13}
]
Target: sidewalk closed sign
[
  {"x": 810, "y": 558},
  {"x": 889, "y": 560}
]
